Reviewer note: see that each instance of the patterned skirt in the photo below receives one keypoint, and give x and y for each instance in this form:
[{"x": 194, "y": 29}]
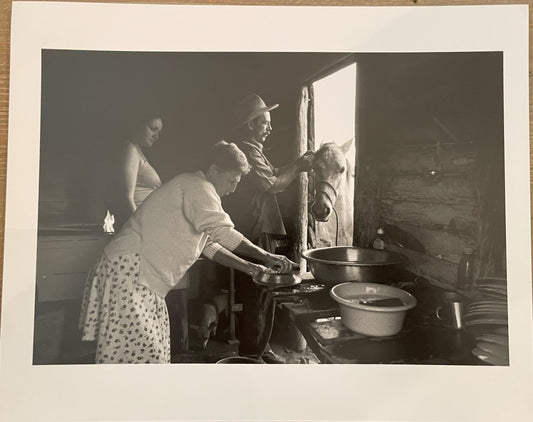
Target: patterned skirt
[{"x": 127, "y": 320}]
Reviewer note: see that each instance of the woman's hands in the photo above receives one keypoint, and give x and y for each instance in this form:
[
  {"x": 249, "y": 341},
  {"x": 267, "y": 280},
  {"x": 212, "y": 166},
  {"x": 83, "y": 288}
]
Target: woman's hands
[
  {"x": 274, "y": 264},
  {"x": 229, "y": 259},
  {"x": 254, "y": 270},
  {"x": 280, "y": 263}
]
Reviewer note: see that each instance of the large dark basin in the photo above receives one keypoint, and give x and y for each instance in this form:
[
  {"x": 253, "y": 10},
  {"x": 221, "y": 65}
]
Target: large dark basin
[{"x": 351, "y": 263}]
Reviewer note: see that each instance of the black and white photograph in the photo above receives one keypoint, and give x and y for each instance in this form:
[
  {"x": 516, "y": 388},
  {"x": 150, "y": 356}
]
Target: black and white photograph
[
  {"x": 351, "y": 212},
  {"x": 349, "y": 215}
]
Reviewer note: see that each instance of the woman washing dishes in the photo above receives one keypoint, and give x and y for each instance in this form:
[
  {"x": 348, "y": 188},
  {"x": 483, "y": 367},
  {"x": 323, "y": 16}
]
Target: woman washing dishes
[{"x": 124, "y": 308}]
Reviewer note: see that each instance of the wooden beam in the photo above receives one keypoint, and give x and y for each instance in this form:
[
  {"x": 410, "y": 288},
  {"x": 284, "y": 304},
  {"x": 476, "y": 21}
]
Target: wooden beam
[
  {"x": 439, "y": 272},
  {"x": 430, "y": 215},
  {"x": 438, "y": 243},
  {"x": 301, "y": 147},
  {"x": 451, "y": 189},
  {"x": 422, "y": 159}
]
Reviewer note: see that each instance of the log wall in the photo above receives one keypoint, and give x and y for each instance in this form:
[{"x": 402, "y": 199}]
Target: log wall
[
  {"x": 435, "y": 203},
  {"x": 430, "y": 167}
]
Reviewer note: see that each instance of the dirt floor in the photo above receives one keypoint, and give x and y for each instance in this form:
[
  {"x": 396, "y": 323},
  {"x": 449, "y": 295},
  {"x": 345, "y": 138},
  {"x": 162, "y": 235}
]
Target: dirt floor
[
  {"x": 219, "y": 348},
  {"x": 285, "y": 340}
]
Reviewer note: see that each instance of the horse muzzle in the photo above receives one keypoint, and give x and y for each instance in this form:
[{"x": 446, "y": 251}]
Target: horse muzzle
[{"x": 321, "y": 211}]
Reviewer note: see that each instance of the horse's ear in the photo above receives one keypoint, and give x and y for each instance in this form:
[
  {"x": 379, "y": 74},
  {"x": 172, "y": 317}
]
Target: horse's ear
[{"x": 346, "y": 146}]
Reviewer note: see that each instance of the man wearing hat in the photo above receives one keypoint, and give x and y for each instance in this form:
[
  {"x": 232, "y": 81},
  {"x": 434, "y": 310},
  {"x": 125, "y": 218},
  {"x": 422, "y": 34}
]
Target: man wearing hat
[{"x": 255, "y": 212}]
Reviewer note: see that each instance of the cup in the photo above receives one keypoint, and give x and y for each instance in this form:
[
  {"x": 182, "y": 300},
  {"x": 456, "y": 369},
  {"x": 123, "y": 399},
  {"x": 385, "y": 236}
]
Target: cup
[{"x": 451, "y": 312}]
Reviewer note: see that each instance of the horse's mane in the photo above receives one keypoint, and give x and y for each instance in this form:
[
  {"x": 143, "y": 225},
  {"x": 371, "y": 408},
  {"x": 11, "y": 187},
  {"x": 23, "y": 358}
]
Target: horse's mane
[
  {"x": 331, "y": 154},
  {"x": 325, "y": 147}
]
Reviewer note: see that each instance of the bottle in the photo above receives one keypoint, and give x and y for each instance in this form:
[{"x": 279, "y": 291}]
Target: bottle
[
  {"x": 379, "y": 243},
  {"x": 465, "y": 270}
]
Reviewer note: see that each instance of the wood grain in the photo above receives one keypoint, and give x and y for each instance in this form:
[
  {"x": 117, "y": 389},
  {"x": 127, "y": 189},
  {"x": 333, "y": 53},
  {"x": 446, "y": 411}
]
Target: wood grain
[
  {"x": 5, "y": 28},
  {"x": 301, "y": 147},
  {"x": 421, "y": 159}
]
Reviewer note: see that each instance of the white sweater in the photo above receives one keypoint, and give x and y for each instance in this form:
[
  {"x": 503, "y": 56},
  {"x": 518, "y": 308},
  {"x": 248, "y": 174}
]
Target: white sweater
[{"x": 171, "y": 229}]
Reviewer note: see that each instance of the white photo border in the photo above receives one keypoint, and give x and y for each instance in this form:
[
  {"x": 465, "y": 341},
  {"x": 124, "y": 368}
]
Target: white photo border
[{"x": 258, "y": 392}]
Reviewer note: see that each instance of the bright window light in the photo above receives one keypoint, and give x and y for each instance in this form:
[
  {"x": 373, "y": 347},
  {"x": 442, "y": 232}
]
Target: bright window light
[
  {"x": 334, "y": 102},
  {"x": 334, "y": 120}
]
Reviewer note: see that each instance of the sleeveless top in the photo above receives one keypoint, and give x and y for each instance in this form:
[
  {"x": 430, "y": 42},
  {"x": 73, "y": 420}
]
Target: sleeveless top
[{"x": 147, "y": 179}]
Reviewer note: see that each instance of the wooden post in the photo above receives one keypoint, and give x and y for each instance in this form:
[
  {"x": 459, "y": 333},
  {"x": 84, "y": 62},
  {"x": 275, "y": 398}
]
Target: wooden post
[
  {"x": 301, "y": 147},
  {"x": 233, "y": 308},
  {"x": 311, "y": 224},
  {"x": 176, "y": 301}
]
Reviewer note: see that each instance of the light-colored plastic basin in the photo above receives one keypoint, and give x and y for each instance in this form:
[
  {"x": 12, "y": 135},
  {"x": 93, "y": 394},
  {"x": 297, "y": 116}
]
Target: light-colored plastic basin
[{"x": 368, "y": 320}]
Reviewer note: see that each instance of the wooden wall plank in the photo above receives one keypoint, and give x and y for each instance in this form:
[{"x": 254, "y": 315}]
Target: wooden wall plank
[
  {"x": 444, "y": 189},
  {"x": 440, "y": 272},
  {"x": 490, "y": 183},
  {"x": 438, "y": 242},
  {"x": 428, "y": 214},
  {"x": 421, "y": 159}
]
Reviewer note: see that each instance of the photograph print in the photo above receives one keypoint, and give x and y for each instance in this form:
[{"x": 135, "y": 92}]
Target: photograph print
[{"x": 271, "y": 208}]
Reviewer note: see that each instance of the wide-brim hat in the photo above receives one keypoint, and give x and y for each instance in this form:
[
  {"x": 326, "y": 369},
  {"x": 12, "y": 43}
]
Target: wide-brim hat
[{"x": 249, "y": 108}]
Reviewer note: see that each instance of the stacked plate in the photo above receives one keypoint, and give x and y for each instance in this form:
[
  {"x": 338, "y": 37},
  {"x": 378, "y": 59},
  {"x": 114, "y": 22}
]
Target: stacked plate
[
  {"x": 486, "y": 317},
  {"x": 493, "y": 347},
  {"x": 490, "y": 304}
]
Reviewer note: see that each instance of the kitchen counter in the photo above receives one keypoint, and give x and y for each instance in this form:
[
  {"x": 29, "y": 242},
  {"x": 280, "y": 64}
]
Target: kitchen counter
[
  {"x": 423, "y": 339},
  {"x": 74, "y": 229},
  {"x": 64, "y": 256}
]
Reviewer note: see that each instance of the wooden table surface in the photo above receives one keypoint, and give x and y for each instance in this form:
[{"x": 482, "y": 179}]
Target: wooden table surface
[
  {"x": 5, "y": 28},
  {"x": 422, "y": 340}
]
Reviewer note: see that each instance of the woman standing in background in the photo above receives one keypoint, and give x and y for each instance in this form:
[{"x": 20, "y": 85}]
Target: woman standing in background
[{"x": 136, "y": 178}]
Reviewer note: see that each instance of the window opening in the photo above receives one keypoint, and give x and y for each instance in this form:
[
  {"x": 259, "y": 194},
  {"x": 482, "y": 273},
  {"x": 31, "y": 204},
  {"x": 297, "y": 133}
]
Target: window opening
[{"x": 334, "y": 121}]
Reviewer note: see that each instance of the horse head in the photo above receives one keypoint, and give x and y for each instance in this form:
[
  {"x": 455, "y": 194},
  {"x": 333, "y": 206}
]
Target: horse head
[{"x": 330, "y": 167}]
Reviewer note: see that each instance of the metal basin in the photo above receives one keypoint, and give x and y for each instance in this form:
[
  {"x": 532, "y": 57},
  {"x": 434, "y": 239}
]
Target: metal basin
[
  {"x": 276, "y": 280},
  {"x": 239, "y": 359},
  {"x": 351, "y": 263}
]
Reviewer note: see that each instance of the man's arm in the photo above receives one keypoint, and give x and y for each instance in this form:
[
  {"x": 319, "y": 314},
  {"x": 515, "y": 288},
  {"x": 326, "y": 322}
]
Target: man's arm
[
  {"x": 266, "y": 179},
  {"x": 285, "y": 175},
  {"x": 284, "y": 178}
]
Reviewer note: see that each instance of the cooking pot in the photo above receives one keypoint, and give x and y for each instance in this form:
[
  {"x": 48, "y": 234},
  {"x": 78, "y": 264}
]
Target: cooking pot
[{"x": 338, "y": 264}]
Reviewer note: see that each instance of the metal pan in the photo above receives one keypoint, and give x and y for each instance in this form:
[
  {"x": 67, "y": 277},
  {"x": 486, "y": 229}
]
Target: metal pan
[{"x": 276, "y": 280}]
